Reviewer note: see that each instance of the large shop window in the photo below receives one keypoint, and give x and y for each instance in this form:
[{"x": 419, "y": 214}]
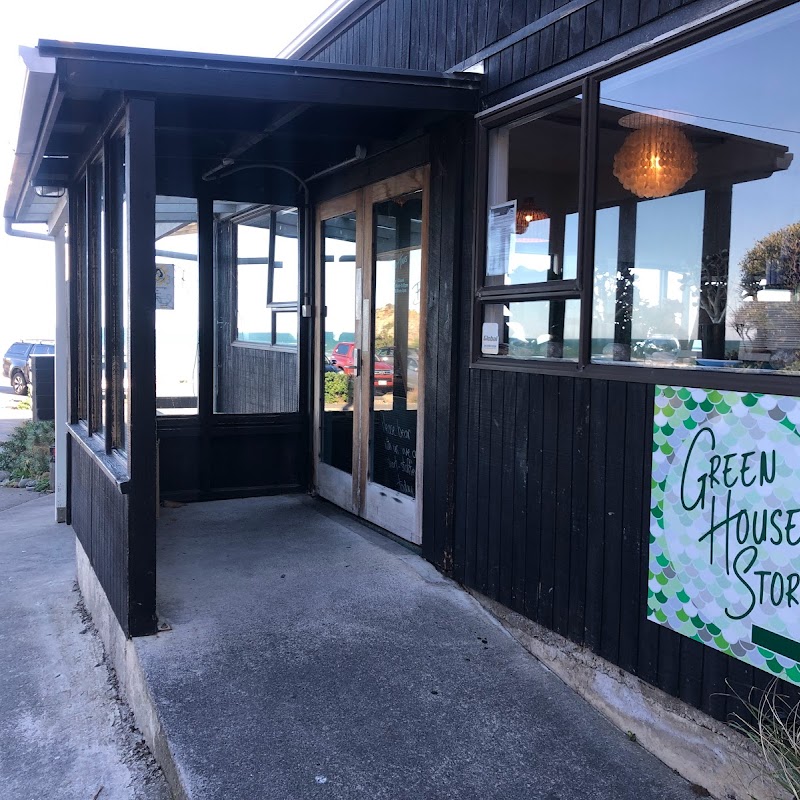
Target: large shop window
[{"x": 691, "y": 223}]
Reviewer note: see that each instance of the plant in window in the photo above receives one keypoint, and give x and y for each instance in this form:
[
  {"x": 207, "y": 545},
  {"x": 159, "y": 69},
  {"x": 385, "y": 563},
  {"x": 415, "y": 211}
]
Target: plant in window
[{"x": 748, "y": 319}]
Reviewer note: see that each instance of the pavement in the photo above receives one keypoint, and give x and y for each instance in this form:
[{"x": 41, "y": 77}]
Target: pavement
[
  {"x": 310, "y": 657},
  {"x": 64, "y": 732}
]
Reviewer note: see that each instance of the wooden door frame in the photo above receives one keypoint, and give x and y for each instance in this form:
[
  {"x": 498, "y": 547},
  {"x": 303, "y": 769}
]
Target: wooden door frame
[{"x": 361, "y": 201}]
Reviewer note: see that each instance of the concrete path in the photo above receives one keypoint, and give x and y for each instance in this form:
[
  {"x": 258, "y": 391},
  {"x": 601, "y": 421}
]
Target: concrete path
[
  {"x": 310, "y": 657},
  {"x": 64, "y": 734}
]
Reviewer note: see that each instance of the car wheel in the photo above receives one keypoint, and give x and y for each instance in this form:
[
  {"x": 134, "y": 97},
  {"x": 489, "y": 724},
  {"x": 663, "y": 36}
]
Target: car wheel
[{"x": 19, "y": 384}]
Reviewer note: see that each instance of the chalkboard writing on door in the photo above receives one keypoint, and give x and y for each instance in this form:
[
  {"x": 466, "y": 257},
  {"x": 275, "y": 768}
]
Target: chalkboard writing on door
[{"x": 394, "y": 450}]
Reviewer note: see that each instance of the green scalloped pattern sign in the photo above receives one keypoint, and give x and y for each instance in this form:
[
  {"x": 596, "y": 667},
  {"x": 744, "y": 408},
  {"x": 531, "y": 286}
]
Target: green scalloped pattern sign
[{"x": 725, "y": 523}]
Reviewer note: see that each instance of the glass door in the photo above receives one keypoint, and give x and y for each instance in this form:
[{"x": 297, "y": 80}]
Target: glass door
[
  {"x": 339, "y": 279},
  {"x": 371, "y": 285}
]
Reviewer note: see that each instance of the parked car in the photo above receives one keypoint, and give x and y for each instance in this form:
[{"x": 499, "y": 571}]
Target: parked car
[
  {"x": 15, "y": 361},
  {"x": 330, "y": 367},
  {"x": 383, "y": 371}
]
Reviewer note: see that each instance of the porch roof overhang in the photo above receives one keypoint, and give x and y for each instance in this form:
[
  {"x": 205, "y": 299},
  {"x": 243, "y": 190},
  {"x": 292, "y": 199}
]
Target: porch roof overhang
[{"x": 214, "y": 110}]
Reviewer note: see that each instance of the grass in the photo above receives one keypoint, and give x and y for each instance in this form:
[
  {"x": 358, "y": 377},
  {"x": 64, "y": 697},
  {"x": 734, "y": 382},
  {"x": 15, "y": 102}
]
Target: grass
[{"x": 773, "y": 725}]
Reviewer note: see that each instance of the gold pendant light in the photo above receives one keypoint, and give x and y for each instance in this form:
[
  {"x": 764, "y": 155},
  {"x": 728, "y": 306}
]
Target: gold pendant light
[
  {"x": 655, "y": 160},
  {"x": 527, "y": 212}
]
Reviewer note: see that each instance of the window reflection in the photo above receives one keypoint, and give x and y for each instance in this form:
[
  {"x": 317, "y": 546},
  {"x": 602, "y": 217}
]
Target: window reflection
[
  {"x": 534, "y": 330},
  {"x": 535, "y": 164},
  {"x": 697, "y": 250}
]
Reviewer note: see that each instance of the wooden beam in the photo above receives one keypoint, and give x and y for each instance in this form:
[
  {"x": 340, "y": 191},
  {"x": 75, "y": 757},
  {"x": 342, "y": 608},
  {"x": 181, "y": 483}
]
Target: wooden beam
[{"x": 282, "y": 84}]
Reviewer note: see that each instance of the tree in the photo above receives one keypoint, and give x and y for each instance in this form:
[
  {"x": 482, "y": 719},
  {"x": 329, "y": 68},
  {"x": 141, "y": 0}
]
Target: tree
[{"x": 775, "y": 258}]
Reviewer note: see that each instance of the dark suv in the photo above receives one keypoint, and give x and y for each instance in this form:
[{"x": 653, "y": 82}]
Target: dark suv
[{"x": 15, "y": 361}]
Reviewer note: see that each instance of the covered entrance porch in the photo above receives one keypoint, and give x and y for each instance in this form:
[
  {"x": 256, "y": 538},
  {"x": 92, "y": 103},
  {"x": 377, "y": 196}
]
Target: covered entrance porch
[{"x": 197, "y": 335}]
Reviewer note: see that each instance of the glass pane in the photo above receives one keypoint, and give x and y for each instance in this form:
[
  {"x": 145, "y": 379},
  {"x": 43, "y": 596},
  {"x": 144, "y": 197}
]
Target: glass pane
[
  {"x": 253, "y": 320},
  {"x": 126, "y": 327},
  {"x": 532, "y": 329},
  {"x": 284, "y": 274},
  {"x": 118, "y": 319},
  {"x": 534, "y": 165},
  {"x": 97, "y": 271},
  {"x": 177, "y": 305},
  {"x": 81, "y": 252},
  {"x": 697, "y": 252},
  {"x": 286, "y": 328},
  {"x": 394, "y": 398},
  {"x": 338, "y": 337}
]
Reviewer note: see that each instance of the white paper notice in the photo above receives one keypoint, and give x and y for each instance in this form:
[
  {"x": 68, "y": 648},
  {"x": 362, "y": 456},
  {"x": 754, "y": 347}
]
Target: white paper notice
[
  {"x": 490, "y": 339},
  {"x": 501, "y": 229},
  {"x": 165, "y": 286}
]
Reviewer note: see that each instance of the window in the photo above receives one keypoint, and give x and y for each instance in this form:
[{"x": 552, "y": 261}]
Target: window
[
  {"x": 681, "y": 249},
  {"x": 256, "y": 291},
  {"x": 267, "y": 257},
  {"x": 98, "y": 287},
  {"x": 177, "y": 282},
  {"x": 532, "y": 236}
]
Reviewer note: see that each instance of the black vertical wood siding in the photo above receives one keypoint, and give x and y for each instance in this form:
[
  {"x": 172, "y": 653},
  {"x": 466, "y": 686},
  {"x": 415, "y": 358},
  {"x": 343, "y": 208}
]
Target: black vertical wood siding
[
  {"x": 552, "y": 519},
  {"x": 99, "y": 517},
  {"x": 439, "y": 34}
]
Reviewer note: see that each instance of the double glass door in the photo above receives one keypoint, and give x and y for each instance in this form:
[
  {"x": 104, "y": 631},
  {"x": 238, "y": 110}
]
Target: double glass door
[{"x": 371, "y": 247}]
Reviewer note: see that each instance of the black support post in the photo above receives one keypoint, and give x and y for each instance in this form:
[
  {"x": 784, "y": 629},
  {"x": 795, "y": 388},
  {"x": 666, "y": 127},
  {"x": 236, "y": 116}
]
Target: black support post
[
  {"x": 626, "y": 258},
  {"x": 140, "y": 190}
]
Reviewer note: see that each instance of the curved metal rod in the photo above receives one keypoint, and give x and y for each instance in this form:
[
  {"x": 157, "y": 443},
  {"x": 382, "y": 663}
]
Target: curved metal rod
[{"x": 232, "y": 170}]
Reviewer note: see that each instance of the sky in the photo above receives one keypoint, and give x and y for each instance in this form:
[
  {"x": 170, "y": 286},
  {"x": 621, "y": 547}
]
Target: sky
[{"x": 262, "y": 28}]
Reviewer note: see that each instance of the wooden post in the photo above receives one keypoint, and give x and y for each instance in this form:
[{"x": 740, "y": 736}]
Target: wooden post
[{"x": 140, "y": 191}]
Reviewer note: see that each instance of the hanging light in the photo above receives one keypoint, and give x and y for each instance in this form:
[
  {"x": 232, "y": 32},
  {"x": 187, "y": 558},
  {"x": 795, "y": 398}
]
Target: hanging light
[
  {"x": 656, "y": 159},
  {"x": 527, "y": 212}
]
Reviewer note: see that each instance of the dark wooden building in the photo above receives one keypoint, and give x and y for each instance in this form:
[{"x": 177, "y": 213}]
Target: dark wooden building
[{"x": 453, "y": 266}]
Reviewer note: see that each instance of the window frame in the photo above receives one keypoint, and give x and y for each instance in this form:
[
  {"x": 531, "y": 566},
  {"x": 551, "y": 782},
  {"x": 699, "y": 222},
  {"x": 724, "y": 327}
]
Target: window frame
[
  {"x": 97, "y": 253},
  {"x": 538, "y": 102},
  {"x": 272, "y": 308}
]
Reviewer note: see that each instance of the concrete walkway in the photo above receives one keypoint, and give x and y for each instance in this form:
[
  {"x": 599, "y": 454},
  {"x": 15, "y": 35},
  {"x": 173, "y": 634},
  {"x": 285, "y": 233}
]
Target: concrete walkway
[
  {"x": 310, "y": 657},
  {"x": 64, "y": 734}
]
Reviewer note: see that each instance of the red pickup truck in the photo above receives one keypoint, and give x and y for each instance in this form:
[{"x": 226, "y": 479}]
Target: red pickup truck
[{"x": 383, "y": 371}]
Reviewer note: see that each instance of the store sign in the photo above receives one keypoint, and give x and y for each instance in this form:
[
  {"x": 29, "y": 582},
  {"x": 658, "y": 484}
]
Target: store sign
[
  {"x": 490, "y": 339},
  {"x": 725, "y": 523}
]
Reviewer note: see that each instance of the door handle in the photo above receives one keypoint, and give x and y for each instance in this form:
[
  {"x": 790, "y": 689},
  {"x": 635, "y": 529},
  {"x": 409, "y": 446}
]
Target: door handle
[{"x": 356, "y": 361}]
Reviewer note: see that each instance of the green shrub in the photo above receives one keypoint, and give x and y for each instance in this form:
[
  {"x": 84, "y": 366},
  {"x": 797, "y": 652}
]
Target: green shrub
[
  {"x": 27, "y": 452},
  {"x": 338, "y": 388}
]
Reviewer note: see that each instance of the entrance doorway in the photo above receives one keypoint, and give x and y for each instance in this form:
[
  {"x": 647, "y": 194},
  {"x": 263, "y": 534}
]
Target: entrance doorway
[{"x": 371, "y": 254}]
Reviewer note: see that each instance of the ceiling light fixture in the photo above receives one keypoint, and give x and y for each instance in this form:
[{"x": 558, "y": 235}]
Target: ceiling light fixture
[
  {"x": 527, "y": 212},
  {"x": 656, "y": 159}
]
